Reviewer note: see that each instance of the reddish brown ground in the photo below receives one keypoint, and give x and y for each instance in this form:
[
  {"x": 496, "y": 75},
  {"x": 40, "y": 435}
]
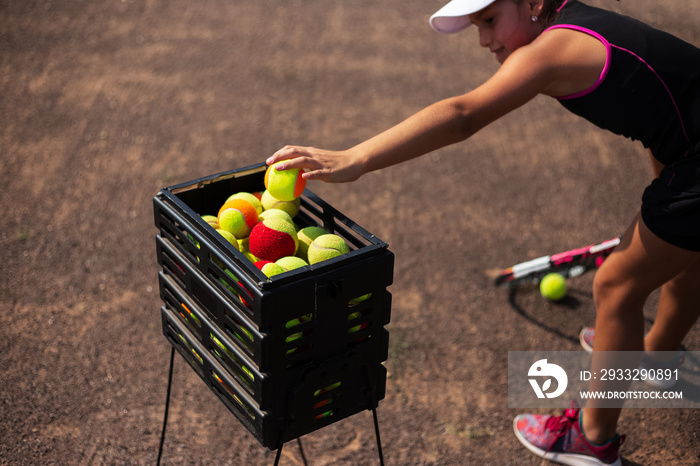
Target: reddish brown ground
[{"x": 103, "y": 103}]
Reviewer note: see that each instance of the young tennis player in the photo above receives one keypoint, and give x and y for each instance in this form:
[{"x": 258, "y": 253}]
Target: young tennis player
[{"x": 623, "y": 76}]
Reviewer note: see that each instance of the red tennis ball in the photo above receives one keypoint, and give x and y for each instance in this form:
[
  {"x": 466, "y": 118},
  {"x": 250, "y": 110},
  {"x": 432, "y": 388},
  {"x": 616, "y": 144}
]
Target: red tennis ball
[{"x": 272, "y": 239}]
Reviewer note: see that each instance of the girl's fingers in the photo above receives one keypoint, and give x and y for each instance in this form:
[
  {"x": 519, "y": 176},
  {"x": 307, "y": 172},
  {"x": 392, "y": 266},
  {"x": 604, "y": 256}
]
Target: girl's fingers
[{"x": 287, "y": 152}]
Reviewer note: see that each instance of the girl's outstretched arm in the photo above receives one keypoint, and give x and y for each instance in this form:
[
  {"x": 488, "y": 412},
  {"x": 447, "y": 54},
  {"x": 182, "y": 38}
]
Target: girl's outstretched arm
[{"x": 556, "y": 63}]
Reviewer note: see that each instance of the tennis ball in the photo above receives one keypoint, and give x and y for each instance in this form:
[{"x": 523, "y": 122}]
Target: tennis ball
[
  {"x": 230, "y": 238},
  {"x": 553, "y": 286},
  {"x": 211, "y": 220},
  {"x": 306, "y": 237},
  {"x": 238, "y": 217},
  {"x": 247, "y": 197},
  {"x": 359, "y": 299},
  {"x": 271, "y": 202},
  {"x": 285, "y": 185},
  {"x": 277, "y": 213},
  {"x": 291, "y": 262},
  {"x": 326, "y": 247},
  {"x": 269, "y": 268},
  {"x": 273, "y": 239},
  {"x": 250, "y": 256}
]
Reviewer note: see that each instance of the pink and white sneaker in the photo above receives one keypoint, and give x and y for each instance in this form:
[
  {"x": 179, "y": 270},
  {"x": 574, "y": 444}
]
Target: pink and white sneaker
[{"x": 560, "y": 439}]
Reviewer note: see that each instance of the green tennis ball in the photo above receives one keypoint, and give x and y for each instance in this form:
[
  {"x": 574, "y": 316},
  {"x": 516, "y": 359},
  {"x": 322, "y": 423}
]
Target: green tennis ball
[
  {"x": 327, "y": 247},
  {"x": 291, "y": 262},
  {"x": 553, "y": 287},
  {"x": 306, "y": 237},
  {"x": 359, "y": 299},
  {"x": 285, "y": 185},
  {"x": 271, "y": 202},
  {"x": 251, "y": 257},
  {"x": 230, "y": 238},
  {"x": 269, "y": 268},
  {"x": 276, "y": 213},
  {"x": 211, "y": 220},
  {"x": 253, "y": 199},
  {"x": 243, "y": 244}
]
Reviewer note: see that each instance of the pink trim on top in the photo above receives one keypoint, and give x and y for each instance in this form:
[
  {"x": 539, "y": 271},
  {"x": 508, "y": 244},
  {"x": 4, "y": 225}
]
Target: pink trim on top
[
  {"x": 668, "y": 91},
  {"x": 562, "y": 5},
  {"x": 606, "y": 68}
]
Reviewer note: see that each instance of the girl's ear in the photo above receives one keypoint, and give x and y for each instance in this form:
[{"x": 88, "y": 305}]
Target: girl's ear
[{"x": 536, "y": 6}]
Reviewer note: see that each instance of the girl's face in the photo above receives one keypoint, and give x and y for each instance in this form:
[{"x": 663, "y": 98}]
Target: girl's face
[{"x": 505, "y": 26}]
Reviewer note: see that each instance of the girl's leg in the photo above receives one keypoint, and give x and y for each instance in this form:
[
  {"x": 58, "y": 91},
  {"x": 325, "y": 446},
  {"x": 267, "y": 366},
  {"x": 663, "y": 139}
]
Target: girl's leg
[
  {"x": 639, "y": 265},
  {"x": 678, "y": 311}
]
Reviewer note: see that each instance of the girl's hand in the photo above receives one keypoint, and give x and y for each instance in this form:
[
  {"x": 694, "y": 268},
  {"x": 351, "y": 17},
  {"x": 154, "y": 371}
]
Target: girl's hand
[{"x": 319, "y": 164}]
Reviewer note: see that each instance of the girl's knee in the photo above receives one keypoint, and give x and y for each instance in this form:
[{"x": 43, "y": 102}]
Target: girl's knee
[
  {"x": 685, "y": 284},
  {"x": 617, "y": 293}
]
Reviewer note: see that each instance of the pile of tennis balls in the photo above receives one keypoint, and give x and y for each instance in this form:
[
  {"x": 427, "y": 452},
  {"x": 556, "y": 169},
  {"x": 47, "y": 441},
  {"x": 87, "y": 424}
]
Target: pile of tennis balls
[{"x": 261, "y": 226}]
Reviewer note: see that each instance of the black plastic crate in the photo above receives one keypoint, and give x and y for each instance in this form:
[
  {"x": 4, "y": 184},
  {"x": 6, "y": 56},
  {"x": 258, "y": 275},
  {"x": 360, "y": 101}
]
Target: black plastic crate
[
  {"x": 329, "y": 392},
  {"x": 258, "y": 340}
]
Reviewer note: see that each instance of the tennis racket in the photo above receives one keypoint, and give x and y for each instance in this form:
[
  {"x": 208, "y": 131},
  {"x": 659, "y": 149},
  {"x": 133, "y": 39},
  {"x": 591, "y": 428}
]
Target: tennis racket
[{"x": 569, "y": 264}]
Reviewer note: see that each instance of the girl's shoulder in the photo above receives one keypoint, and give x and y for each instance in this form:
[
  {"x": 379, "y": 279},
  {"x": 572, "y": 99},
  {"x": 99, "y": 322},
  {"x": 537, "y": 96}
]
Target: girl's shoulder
[{"x": 571, "y": 60}]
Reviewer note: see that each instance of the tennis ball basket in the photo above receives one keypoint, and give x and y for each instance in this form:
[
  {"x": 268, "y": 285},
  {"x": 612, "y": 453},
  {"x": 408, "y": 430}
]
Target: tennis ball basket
[{"x": 289, "y": 354}]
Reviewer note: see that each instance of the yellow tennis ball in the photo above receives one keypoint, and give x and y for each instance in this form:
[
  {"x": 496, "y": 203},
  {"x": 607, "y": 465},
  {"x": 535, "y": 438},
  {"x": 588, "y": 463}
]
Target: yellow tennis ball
[
  {"x": 211, "y": 220},
  {"x": 269, "y": 268},
  {"x": 230, "y": 238},
  {"x": 327, "y": 247},
  {"x": 276, "y": 213},
  {"x": 285, "y": 185},
  {"x": 359, "y": 299},
  {"x": 306, "y": 237},
  {"x": 248, "y": 197},
  {"x": 553, "y": 286},
  {"x": 291, "y": 262},
  {"x": 271, "y": 202}
]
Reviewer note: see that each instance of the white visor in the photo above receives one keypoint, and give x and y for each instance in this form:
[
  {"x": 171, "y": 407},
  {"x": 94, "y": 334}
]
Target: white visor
[{"x": 453, "y": 17}]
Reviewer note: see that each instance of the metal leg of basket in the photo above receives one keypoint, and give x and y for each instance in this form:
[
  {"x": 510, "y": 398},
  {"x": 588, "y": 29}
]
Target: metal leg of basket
[
  {"x": 301, "y": 451},
  {"x": 373, "y": 400},
  {"x": 287, "y": 410},
  {"x": 167, "y": 404}
]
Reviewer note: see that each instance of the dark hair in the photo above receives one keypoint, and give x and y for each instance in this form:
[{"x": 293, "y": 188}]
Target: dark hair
[{"x": 550, "y": 11}]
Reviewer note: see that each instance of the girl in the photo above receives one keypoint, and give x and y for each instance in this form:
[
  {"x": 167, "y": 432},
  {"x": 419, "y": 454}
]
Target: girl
[{"x": 623, "y": 76}]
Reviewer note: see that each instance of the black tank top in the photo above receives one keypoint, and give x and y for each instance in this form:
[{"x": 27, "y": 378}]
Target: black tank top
[{"x": 649, "y": 89}]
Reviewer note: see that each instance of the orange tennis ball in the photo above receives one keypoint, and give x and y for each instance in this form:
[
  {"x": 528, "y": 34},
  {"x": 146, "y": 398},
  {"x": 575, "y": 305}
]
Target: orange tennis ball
[
  {"x": 238, "y": 217},
  {"x": 246, "y": 196},
  {"x": 272, "y": 239},
  {"x": 285, "y": 185}
]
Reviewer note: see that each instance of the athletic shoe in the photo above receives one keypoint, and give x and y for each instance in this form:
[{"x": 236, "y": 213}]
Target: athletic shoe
[
  {"x": 586, "y": 338},
  {"x": 560, "y": 439},
  {"x": 648, "y": 363}
]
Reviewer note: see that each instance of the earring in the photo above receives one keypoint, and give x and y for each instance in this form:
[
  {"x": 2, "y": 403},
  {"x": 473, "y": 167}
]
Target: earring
[{"x": 533, "y": 18}]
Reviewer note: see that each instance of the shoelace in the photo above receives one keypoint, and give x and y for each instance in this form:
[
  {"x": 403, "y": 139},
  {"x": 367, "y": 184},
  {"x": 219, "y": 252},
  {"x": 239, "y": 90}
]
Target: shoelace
[{"x": 560, "y": 425}]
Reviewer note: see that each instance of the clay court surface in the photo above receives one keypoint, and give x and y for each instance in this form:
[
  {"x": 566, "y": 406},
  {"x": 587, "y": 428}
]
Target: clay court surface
[{"x": 104, "y": 103}]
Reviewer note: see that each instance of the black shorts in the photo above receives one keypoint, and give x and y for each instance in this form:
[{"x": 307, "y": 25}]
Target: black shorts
[{"x": 671, "y": 203}]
